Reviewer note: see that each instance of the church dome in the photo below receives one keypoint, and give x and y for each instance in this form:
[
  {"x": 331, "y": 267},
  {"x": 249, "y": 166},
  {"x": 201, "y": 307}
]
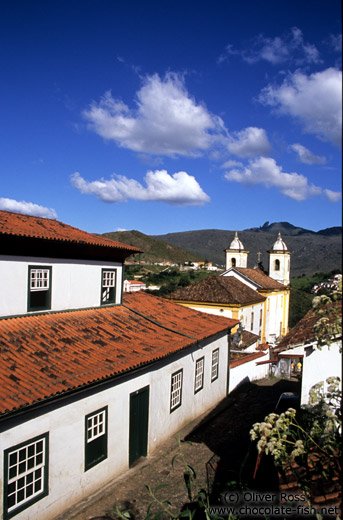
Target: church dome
[
  {"x": 236, "y": 243},
  {"x": 279, "y": 245}
]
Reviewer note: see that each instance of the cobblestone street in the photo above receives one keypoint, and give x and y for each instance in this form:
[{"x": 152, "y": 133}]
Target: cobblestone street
[{"x": 218, "y": 451}]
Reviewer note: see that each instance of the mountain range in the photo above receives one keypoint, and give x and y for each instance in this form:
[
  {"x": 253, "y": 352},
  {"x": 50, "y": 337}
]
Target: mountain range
[{"x": 312, "y": 251}]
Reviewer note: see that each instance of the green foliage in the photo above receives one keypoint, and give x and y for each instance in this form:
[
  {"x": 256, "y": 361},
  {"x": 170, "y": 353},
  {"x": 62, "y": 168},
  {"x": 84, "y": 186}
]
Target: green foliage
[
  {"x": 301, "y": 297},
  {"x": 305, "y": 283},
  {"x": 300, "y": 303},
  {"x": 170, "y": 279}
]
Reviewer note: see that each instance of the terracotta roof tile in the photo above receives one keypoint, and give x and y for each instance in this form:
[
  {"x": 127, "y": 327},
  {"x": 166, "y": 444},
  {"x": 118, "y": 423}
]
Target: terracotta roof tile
[
  {"x": 244, "y": 357},
  {"x": 16, "y": 224},
  {"x": 48, "y": 354},
  {"x": 303, "y": 332},
  {"x": 218, "y": 289},
  {"x": 260, "y": 278}
]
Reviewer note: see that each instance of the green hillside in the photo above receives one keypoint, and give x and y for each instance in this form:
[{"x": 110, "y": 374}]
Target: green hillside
[{"x": 154, "y": 250}]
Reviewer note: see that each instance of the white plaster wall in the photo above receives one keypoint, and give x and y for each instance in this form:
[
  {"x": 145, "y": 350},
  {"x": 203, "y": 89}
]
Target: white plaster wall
[
  {"x": 75, "y": 284},
  {"x": 249, "y": 371},
  {"x": 274, "y": 316},
  {"x": 244, "y": 315},
  {"x": 283, "y": 274},
  {"x": 68, "y": 482},
  {"x": 241, "y": 259},
  {"x": 318, "y": 365}
]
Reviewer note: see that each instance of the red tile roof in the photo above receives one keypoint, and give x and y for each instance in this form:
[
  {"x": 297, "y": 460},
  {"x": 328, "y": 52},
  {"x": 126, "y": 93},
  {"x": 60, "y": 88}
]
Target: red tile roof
[
  {"x": 260, "y": 278},
  {"x": 224, "y": 290},
  {"x": 303, "y": 331},
  {"x": 16, "y": 224},
  {"x": 45, "y": 355},
  {"x": 244, "y": 357}
]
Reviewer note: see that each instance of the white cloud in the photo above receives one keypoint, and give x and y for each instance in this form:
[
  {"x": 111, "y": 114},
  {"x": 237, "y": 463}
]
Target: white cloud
[
  {"x": 249, "y": 142},
  {"x": 306, "y": 156},
  {"x": 179, "y": 189},
  {"x": 289, "y": 47},
  {"x": 28, "y": 208},
  {"x": 333, "y": 196},
  {"x": 265, "y": 171},
  {"x": 231, "y": 164},
  {"x": 166, "y": 119},
  {"x": 336, "y": 42},
  {"x": 315, "y": 100}
]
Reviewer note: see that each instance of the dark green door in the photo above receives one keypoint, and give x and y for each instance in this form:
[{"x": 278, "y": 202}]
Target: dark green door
[{"x": 139, "y": 420}]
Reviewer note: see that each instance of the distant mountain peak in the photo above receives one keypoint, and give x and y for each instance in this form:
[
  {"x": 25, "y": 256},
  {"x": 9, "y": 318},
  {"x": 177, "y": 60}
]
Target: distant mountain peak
[{"x": 280, "y": 227}]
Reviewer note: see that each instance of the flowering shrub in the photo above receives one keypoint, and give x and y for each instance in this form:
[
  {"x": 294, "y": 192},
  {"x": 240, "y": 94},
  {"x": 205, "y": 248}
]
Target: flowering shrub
[
  {"x": 329, "y": 324},
  {"x": 310, "y": 438}
]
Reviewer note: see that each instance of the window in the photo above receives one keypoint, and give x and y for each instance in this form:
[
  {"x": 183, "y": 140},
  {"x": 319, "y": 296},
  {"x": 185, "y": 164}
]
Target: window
[
  {"x": 252, "y": 322},
  {"x": 233, "y": 262},
  {"x": 39, "y": 293},
  {"x": 199, "y": 375},
  {"x": 261, "y": 316},
  {"x": 176, "y": 390},
  {"x": 108, "y": 286},
  {"x": 26, "y": 474},
  {"x": 277, "y": 265},
  {"x": 215, "y": 365},
  {"x": 96, "y": 438}
]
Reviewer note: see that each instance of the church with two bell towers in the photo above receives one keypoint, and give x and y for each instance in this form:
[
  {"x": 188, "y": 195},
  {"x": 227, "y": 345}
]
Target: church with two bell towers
[
  {"x": 259, "y": 300},
  {"x": 274, "y": 286}
]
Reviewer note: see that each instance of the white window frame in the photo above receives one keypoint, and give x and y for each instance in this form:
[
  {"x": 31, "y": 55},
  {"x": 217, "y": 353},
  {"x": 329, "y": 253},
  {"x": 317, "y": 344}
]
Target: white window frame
[
  {"x": 96, "y": 425},
  {"x": 215, "y": 365},
  {"x": 108, "y": 278},
  {"x": 108, "y": 281},
  {"x": 199, "y": 374},
  {"x": 26, "y": 477},
  {"x": 176, "y": 390},
  {"x": 39, "y": 279}
]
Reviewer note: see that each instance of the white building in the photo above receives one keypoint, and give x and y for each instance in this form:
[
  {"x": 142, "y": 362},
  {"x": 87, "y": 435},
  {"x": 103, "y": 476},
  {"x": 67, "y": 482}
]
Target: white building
[
  {"x": 91, "y": 381},
  {"x": 300, "y": 344},
  {"x": 133, "y": 286}
]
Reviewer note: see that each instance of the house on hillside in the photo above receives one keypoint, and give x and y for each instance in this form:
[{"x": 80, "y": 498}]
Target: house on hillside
[
  {"x": 300, "y": 345},
  {"x": 133, "y": 286},
  {"x": 259, "y": 301},
  {"x": 91, "y": 379}
]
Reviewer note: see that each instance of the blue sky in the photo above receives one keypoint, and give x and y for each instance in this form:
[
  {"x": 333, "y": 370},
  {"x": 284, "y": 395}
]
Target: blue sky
[{"x": 172, "y": 115}]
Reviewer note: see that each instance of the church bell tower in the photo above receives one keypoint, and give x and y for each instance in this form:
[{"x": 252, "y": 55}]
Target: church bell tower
[
  {"x": 236, "y": 255},
  {"x": 280, "y": 262}
]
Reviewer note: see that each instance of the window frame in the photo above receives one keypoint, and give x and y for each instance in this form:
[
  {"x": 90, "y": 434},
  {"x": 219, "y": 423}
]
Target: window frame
[
  {"x": 103, "y": 286},
  {"x": 10, "y": 511},
  {"x": 173, "y": 390},
  {"x": 215, "y": 365},
  {"x": 30, "y": 291},
  {"x": 100, "y": 440},
  {"x": 199, "y": 363}
]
